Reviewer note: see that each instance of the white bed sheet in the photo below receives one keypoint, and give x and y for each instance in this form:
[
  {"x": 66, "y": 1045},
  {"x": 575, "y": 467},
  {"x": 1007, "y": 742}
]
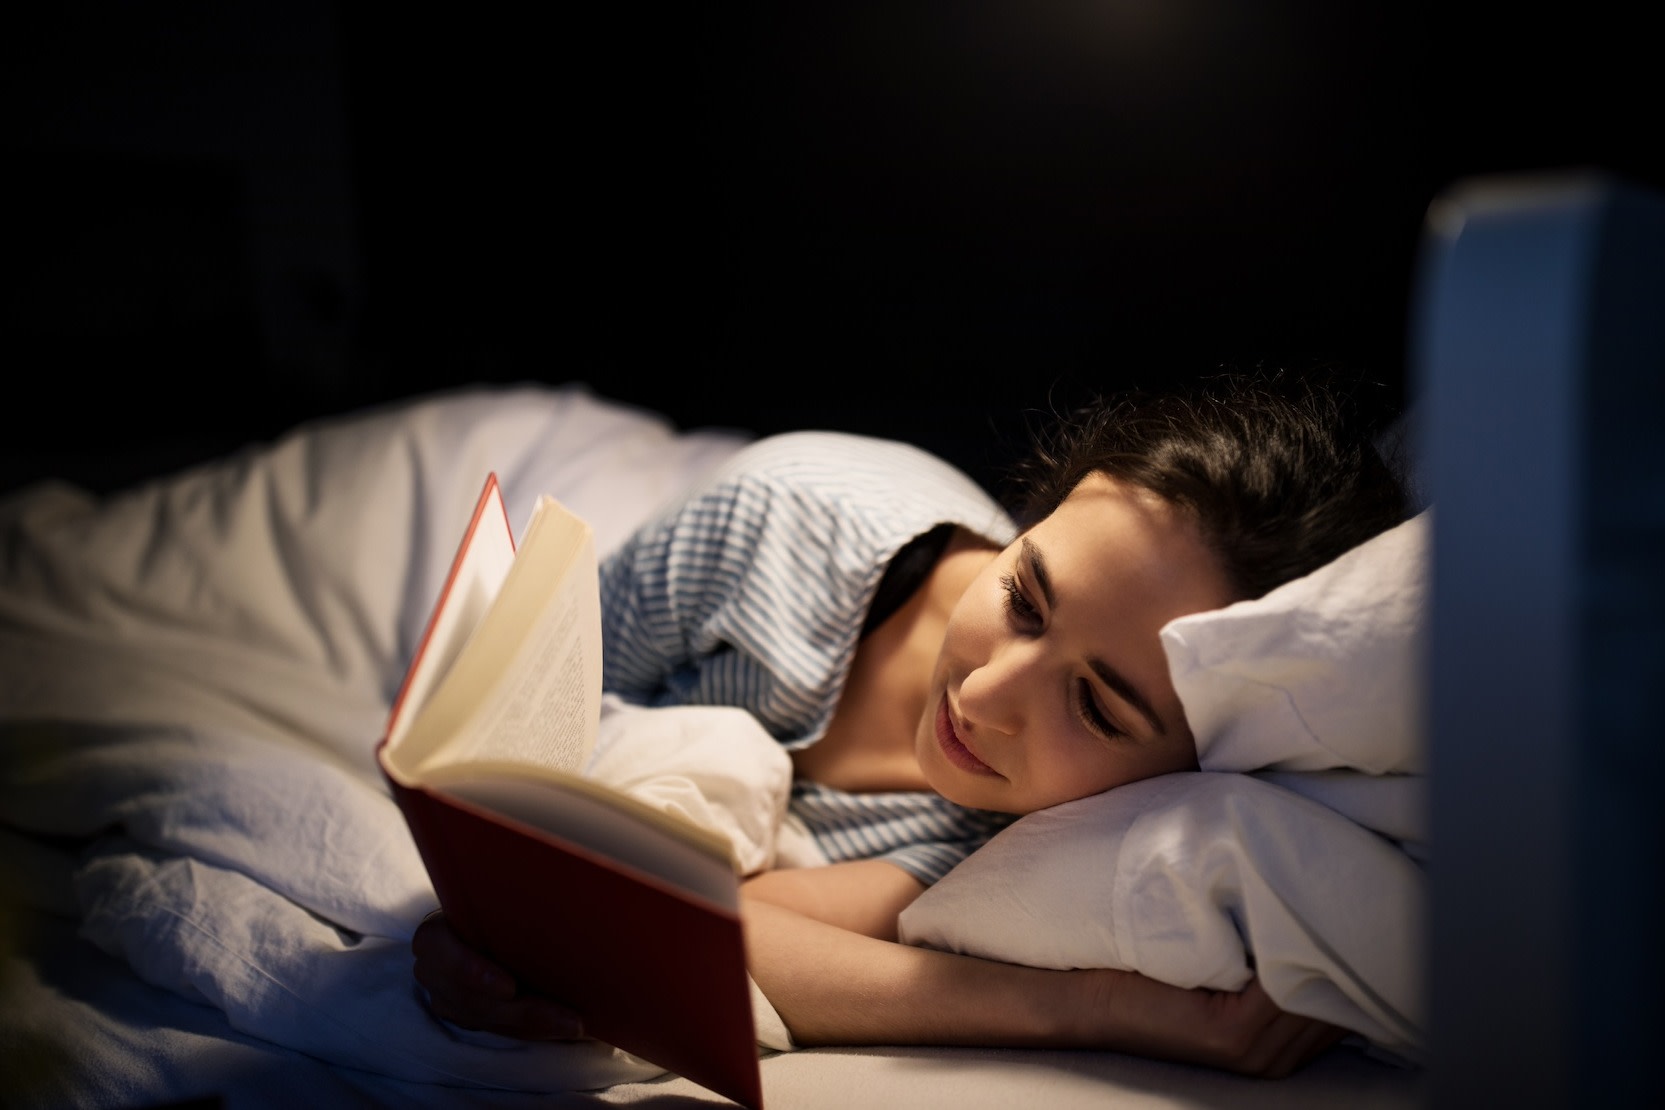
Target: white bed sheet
[{"x": 204, "y": 663}]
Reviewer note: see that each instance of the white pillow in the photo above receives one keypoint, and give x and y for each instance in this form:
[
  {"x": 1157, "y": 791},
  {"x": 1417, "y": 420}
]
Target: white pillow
[
  {"x": 1295, "y": 872},
  {"x": 1195, "y": 879},
  {"x": 1323, "y": 672}
]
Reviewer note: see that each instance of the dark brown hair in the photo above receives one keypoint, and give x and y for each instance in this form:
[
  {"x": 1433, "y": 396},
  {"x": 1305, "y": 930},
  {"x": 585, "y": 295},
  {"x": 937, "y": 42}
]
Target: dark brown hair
[{"x": 1279, "y": 478}]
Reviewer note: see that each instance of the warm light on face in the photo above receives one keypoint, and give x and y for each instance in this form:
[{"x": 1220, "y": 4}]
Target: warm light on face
[{"x": 1052, "y": 683}]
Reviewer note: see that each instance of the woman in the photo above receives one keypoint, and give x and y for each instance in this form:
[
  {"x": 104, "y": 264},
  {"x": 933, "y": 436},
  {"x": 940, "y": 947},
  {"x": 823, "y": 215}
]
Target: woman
[{"x": 935, "y": 669}]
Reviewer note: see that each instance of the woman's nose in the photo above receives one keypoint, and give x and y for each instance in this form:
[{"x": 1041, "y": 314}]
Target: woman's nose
[{"x": 994, "y": 695}]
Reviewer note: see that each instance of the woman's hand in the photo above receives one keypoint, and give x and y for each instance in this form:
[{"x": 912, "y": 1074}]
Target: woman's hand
[
  {"x": 470, "y": 991},
  {"x": 1242, "y": 1031}
]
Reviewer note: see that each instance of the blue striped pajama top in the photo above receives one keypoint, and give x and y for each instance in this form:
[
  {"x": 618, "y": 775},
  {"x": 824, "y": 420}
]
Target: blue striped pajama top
[{"x": 751, "y": 592}]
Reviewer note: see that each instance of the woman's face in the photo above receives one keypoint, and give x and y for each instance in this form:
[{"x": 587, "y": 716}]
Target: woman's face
[{"x": 1052, "y": 683}]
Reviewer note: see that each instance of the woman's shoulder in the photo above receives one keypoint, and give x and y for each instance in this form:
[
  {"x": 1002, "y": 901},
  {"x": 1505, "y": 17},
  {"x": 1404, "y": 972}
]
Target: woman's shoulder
[
  {"x": 859, "y": 498},
  {"x": 852, "y": 465}
]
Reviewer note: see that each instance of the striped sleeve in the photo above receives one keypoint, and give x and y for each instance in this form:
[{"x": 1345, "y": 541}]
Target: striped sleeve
[{"x": 922, "y": 833}]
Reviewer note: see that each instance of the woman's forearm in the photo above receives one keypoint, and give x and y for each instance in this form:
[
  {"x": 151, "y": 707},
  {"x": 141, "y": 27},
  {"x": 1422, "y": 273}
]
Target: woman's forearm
[{"x": 833, "y": 986}]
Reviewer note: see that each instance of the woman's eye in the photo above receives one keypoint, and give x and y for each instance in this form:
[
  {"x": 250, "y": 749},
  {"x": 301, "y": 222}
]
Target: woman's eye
[
  {"x": 1086, "y": 706},
  {"x": 1020, "y": 607}
]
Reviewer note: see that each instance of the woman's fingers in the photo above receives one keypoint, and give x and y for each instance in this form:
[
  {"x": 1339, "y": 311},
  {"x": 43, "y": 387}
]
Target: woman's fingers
[
  {"x": 1278, "y": 1043},
  {"x": 445, "y": 963},
  {"x": 471, "y": 991},
  {"x": 1300, "y": 1044},
  {"x": 1240, "y": 1031},
  {"x": 528, "y": 1018}
]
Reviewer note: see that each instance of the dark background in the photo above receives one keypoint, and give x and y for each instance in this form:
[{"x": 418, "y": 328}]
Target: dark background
[{"x": 907, "y": 218}]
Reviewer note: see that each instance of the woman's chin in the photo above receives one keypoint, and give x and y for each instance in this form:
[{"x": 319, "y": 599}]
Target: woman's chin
[{"x": 963, "y": 788}]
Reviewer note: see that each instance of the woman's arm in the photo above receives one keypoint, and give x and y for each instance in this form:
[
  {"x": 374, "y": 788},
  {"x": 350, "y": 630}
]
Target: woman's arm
[
  {"x": 834, "y": 986},
  {"x": 864, "y": 896}
]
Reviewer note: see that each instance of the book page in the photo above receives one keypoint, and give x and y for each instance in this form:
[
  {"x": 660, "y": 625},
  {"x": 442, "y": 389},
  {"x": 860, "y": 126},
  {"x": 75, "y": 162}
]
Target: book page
[
  {"x": 544, "y": 713},
  {"x": 526, "y": 687},
  {"x": 477, "y": 573}
]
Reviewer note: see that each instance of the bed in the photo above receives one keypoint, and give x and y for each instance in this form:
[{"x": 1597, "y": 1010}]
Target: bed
[{"x": 209, "y": 895}]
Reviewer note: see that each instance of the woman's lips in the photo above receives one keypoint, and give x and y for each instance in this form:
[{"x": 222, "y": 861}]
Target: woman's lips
[{"x": 954, "y": 748}]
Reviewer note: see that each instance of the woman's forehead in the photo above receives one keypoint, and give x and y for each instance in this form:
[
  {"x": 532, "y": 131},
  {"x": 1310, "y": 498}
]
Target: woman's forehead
[{"x": 1122, "y": 536}]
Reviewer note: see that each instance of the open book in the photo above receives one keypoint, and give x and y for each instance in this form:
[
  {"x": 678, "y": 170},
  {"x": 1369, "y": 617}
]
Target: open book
[{"x": 628, "y": 914}]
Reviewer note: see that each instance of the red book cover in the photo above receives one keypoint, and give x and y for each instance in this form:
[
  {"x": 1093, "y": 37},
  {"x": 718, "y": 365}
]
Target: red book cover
[{"x": 537, "y": 871}]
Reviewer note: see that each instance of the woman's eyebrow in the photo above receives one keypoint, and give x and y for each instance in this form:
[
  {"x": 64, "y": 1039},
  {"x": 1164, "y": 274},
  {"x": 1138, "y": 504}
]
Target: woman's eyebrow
[
  {"x": 1037, "y": 570},
  {"x": 1107, "y": 674}
]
